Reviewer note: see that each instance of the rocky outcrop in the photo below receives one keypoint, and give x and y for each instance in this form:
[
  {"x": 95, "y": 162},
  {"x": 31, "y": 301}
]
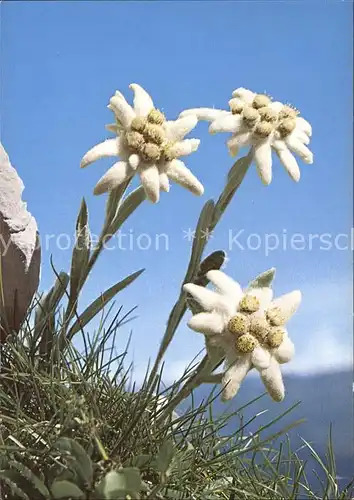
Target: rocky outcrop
[{"x": 20, "y": 252}]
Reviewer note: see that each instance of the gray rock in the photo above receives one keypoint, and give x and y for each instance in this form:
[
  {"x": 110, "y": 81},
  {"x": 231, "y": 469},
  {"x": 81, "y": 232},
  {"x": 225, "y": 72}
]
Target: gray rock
[{"x": 19, "y": 251}]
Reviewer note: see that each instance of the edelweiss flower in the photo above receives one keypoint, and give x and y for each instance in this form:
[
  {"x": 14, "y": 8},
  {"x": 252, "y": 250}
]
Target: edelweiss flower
[
  {"x": 148, "y": 144},
  {"x": 250, "y": 328},
  {"x": 254, "y": 119}
]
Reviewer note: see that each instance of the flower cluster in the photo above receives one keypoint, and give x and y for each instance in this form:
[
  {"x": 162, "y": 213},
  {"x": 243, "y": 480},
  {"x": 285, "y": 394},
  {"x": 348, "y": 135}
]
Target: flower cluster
[
  {"x": 250, "y": 328},
  {"x": 148, "y": 144},
  {"x": 254, "y": 119},
  {"x": 247, "y": 326}
]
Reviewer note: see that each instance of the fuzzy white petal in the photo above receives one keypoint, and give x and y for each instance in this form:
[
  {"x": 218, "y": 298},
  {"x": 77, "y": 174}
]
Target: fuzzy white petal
[
  {"x": 233, "y": 147},
  {"x": 226, "y": 123},
  {"x": 285, "y": 351},
  {"x": 288, "y": 304},
  {"x": 276, "y": 106},
  {"x": 115, "y": 176},
  {"x": 263, "y": 160},
  {"x": 273, "y": 380},
  {"x": 287, "y": 159},
  {"x": 213, "y": 342},
  {"x": 142, "y": 100},
  {"x": 208, "y": 299},
  {"x": 123, "y": 111},
  {"x": 236, "y": 100},
  {"x": 179, "y": 173},
  {"x": 260, "y": 358},
  {"x": 234, "y": 376},
  {"x": 246, "y": 95},
  {"x": 164, "y": 182},
  {"x": 208, "y": 323},
  {"x": 299, "y": 148},
  {"x": 184, "y": 148},
  {"x": 301, "y": 136},
  {"x": 112, "y": 127},
  {"x": 110, "y": 147},
  {"x": 207, "y": 114},
  {"x": 225, "y": 285},
  {"x": 263, "y": 294},
  {"x": 149, "y": 176},
  {"x": 177, "y": 129},
  {"x": 304, "y": 125},
  {"x": 134, "y": 161},
  {"x": 237, "y": 141}
]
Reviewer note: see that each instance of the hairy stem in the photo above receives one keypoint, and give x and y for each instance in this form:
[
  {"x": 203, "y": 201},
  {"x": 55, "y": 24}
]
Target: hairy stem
[{"x": 208, "y": 220}]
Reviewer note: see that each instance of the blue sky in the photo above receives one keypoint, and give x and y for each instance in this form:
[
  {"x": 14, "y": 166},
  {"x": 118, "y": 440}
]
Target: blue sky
[{"x": 62, "y": 61}]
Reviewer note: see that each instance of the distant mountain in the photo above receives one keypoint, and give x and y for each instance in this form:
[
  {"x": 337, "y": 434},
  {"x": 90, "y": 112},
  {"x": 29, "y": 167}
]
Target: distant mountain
[{"x": 325, "y": 399}]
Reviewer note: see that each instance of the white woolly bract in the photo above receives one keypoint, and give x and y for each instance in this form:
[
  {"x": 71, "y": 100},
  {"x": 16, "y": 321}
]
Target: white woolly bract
[{"x": 154, "y": 168}]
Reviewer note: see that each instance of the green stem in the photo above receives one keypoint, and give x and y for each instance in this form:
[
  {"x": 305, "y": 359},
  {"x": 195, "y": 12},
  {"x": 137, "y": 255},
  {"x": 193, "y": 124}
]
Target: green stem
[
  {"x": 202, "y": 372},
  {"x": 235, "y": 178}
]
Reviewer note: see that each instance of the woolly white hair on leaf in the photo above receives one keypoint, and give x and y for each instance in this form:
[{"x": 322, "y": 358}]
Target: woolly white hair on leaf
[
  {"x": 287, "y": 159},
  {"x": 273, "y": 381},
  {"x": 285, "y": 351},
  {"x": 134, "y": 161},
  {"x": 149, "y": 140},
  {"x": 225, "y": 284},
  {"x": 226, "y": 123},
  {"x": 299, "y": 148},
  {"x": 114, "y": 177},
  {"x": 207, "y": 323},
  {"x": 108, "y": 148},
  {"x": 304, "y": 125},
  {"x": 205, "y": 114},
  {"x": 179, "y": 173},
  {"x": 164, "y": 182},
  {"x": 142, "y": 100},
  {"x": 208, "y": 299},
  {"x": 123, "y": 111},
  {"x": 288, "y": 304},
  {"x": 263, "y": 294},
  {"x": 234, "y": 376},
  {"x": 246, "y": 95},
  {"x": 260, "y": 358},
  {"x": 149, "y": 176},
  {"x": 263, "y": 160},
  {"x": 176, "y": 130},
  {"x": 185, "y": 147}
]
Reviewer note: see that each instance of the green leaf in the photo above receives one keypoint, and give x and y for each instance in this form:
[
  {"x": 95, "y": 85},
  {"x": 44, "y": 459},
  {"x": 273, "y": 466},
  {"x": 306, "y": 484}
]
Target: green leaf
[
  {"x": 31, "y": 477},
  {"x": 49, "y": 302},
  {"x": 97, "y": 305},
  {"x": 44, "y": 324},
  {"x": 112, "y": 207},
  {"x": 113, "y": 202},
  {"x": 165, "y": 456},
  {"x": 141, "y": 461},
  {"x": 82, "y": 463},
  {"x": 263, "y": 280},
  {"x": 234, "y": 179},
  {"x": 125, "y": 209},
  {"x": 200, "y": 240},
  {"x": 193, "y": 305},
  {"x": 65, "y": 489},
  {"x": 58, "y": 291},
  {"x": 180, "y": 306},
  {"x": 81, "y": 253},
  {"x": 118, "y": 484},
  {"x": 215, "y": 353},
  {"x": 214, "y": 261},
  {"x": 9, "y": 477}
]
